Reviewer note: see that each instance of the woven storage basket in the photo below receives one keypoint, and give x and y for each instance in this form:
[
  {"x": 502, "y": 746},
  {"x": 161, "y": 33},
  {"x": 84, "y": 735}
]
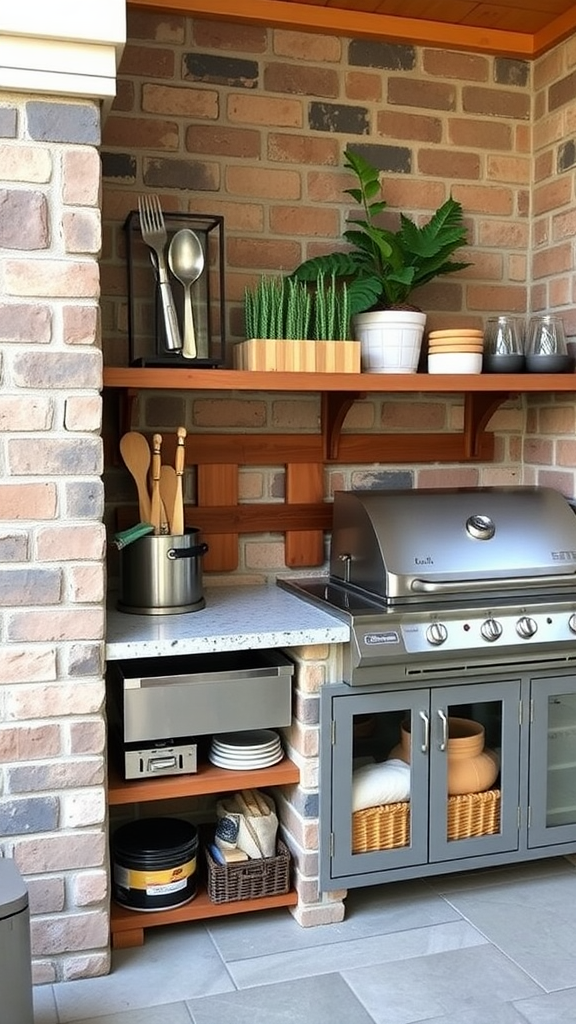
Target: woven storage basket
[
  {"x": 387, "y": 827},
  {"x": 381, "y": 828},
  {"x": 474, "y": 814},
  {"x": 249, "y": 879}
]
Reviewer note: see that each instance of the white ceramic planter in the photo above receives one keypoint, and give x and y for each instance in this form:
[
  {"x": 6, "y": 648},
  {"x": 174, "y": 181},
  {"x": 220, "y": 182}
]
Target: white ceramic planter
[{"x": 390, "y": 340}]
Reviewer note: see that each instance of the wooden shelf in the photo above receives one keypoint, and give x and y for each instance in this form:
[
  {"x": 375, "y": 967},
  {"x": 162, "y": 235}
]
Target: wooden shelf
[
  {"x": 127, "y": 926},
  {"x": 142, "y": 378},
  {"x": 208, "y": 779},
  {"x": 483, "y": 392}
]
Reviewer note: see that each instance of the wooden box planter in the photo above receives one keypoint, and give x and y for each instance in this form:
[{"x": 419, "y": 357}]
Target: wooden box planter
[{"x": 306, "y": 356}]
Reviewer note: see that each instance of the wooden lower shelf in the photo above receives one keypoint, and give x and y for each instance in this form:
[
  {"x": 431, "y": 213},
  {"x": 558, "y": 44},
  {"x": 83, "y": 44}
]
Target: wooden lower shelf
[
  {"x": 207, "y": 780},
  {"x": 127, "y": 926}
]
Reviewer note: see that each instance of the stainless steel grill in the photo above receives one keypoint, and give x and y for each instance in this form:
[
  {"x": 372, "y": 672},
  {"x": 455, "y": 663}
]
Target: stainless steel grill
[{"x": 452, "y": 580}]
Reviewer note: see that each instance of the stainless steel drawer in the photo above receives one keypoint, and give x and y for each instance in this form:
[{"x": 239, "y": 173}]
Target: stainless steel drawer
[{"x": 163, "y": 698}]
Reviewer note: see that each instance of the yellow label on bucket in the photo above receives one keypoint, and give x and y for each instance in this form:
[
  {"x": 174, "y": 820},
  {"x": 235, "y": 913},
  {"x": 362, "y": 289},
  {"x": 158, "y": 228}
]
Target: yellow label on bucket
[{"x": 168, "y": 880}]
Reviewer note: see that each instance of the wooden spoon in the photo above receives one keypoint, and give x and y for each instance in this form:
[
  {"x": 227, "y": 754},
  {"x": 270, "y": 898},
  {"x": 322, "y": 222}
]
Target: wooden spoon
[
  {"x": 135, "y": 451},
  {"x": 168, "y": 492},
  {"x": 178, "y": 514}
]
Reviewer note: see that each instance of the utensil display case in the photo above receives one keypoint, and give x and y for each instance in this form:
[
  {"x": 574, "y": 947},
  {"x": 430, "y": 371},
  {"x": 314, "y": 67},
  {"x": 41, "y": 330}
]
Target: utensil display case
[{"x": 146, "y": 331}]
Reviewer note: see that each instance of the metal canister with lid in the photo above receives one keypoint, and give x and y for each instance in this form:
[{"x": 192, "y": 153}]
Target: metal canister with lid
[{"x": 154, "y": 863}]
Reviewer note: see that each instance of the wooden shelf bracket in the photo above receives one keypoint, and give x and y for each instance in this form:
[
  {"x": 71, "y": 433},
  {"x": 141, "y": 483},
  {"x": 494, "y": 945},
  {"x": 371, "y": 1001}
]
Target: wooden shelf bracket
[
  {"x": 335, "y": 406},
  {"x": 479, "y": 407}
]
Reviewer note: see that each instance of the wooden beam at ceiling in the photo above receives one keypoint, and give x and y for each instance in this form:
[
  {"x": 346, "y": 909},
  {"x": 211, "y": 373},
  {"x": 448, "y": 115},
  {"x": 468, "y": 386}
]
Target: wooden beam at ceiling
[
  {"x": 555, "y": 32},
  {"x": 334, "y": 21}
]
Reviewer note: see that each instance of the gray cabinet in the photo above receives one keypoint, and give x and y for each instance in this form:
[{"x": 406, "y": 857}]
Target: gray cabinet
[
  {"x": 383, "y": 819},
  {"x": 552, "y": 761}
]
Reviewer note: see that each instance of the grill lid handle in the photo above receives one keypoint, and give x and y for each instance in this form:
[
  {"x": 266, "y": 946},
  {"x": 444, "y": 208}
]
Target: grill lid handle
[{"x": 480, "y": 586}]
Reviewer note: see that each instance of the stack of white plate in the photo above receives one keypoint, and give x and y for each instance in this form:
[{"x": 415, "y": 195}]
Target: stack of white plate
[{"x": 246, "y": 751}]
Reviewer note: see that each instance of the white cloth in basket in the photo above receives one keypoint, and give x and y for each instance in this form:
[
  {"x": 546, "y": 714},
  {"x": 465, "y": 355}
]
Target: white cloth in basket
[{"x": 383, "y": 783}]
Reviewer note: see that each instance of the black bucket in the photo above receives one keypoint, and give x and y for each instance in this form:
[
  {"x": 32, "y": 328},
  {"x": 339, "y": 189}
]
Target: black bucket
[{"x": 154, "y": 863}]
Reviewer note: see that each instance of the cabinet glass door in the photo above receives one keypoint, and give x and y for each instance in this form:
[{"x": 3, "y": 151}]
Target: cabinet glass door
[
  {"x": 379, "y": 801},
  {"x": 474, "y": 769},
  {"x": 552, "y": 773}
]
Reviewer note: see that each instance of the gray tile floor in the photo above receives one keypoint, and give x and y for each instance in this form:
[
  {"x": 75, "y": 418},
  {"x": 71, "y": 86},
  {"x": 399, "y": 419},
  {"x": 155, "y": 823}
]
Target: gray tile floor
[{"x": 486, "y": 947}]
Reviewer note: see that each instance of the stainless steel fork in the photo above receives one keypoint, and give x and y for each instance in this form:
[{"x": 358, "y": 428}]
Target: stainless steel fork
[{"x": 155, "y": 235}]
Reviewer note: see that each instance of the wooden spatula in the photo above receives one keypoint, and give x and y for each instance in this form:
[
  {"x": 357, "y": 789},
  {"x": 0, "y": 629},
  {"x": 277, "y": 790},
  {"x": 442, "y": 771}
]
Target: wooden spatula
[
  {"x": 178, "y": 515},
  {"x": 135, "y": 451},
  {"x": 156, "y": 504}
]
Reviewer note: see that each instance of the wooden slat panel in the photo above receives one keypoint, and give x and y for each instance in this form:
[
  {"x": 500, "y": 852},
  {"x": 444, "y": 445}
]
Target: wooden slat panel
[
  {"x": 218, "y": 485},
  {"x": 258, "y": 518},
  {"x": 304, "y": 483},
  {"x": 282, "y": 449},
  {"x": 249, "y": 450}
]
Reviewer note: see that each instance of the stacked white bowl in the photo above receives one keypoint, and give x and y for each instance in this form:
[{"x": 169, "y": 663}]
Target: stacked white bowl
[{"x": 455, "y": 350}]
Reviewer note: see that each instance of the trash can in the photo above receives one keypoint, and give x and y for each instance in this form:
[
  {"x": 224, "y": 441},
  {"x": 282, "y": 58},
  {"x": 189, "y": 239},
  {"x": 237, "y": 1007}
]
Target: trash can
[{"x": 15, "y": 956}]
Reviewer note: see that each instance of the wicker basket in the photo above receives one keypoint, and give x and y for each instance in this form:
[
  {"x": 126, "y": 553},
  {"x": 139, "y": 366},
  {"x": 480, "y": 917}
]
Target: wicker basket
[
  {"x": 384, "y": 827},
  {"x": 247, "y": 880},
  {"x": 474, "y": 814},
  {"x": 387, "y": 827}
]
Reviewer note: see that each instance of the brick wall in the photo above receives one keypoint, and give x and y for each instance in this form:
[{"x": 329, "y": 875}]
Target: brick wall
[
  {"x": 52, "y": 542},
  {"x": 251, "y": 124},
  {"x": 548, "y": 448}
]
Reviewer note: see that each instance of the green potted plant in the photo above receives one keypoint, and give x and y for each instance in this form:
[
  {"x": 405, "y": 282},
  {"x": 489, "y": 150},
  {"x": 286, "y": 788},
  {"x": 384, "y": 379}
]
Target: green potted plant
[
  {"x": 383, "y": 268},
  {"x": 289, "y": 326}
]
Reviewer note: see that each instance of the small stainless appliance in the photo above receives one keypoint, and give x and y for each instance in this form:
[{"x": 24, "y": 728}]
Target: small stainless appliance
[{"x": 159, "y": 708}]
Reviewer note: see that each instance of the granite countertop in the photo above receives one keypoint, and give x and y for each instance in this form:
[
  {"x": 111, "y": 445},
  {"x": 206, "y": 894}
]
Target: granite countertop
[{"x": 234, "y": 619}]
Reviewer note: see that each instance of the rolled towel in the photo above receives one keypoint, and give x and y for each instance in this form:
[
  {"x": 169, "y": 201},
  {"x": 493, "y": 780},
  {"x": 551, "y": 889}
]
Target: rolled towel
[{"x": 385, "y": 783}]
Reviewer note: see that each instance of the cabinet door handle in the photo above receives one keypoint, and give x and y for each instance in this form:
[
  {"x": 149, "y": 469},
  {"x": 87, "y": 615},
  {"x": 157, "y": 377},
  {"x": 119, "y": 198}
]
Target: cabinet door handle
[
  {"x": 426, "y": 739},
  {"x": 443, "y": 718}
]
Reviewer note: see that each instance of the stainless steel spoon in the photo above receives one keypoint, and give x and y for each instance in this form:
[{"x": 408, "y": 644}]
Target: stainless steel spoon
[{"x": 186, "y": 259}]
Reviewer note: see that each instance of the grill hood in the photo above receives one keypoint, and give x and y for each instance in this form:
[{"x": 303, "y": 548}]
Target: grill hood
[{"x": 411, "y": 546}]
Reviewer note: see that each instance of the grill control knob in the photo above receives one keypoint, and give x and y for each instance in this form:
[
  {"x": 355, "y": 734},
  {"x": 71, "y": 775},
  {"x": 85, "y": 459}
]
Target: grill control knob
[
  {"x": 491, "y": 630},
  {"x": 572, "y": 623},
  {"x": 526, "y": 627},
  {"x": 436, "y": 634}
]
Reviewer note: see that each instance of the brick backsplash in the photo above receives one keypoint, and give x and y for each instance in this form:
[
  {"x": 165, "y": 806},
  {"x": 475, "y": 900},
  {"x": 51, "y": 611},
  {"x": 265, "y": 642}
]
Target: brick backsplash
[{"x": 254, "y": 129}]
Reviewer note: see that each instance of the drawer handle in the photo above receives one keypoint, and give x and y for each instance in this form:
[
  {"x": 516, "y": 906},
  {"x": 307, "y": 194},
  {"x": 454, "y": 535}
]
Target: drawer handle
[
  {"x": 444, "y": 741},
  {"x": 426, "y": 740}
]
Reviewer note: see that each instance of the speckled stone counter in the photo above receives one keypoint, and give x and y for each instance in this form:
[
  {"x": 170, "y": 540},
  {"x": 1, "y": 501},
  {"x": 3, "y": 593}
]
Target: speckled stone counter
[{"x": 234, "y": 619}]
